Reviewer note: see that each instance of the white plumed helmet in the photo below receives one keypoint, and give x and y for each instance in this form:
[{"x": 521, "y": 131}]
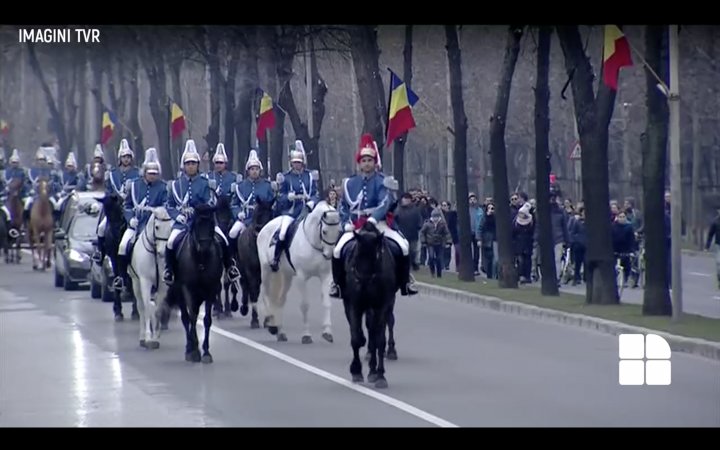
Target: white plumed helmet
[
  {"x": 190, "y": 153},
  {"x": 253, "y": 161}
]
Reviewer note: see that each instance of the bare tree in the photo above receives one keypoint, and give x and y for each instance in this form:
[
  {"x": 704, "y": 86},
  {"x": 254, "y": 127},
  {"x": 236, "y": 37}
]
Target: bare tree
[
  {"x": 249, "y": 83},
  {"x": 593, "y": 118},
  {"x": 542, "y": 163},
  {"x": 656, "y": 298},
  {"x": 507, "y": 269},
  {"x": 465, "y": 269}
]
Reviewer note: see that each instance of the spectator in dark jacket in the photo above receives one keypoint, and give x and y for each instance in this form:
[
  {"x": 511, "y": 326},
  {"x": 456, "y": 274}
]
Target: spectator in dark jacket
[
  {"x": 488, "y": 238},
  {"x": 578, "y": 244},
  {"x": 561, "y": 240},
  {"x": 522, "y": 235},
  {"x": 435, "y": 236},
  {"x": 623, "y": 239},
  {"x": 409, "y": 221},
  {"x": 451, "y": 219},
  {"x": 714, "y": 232}
]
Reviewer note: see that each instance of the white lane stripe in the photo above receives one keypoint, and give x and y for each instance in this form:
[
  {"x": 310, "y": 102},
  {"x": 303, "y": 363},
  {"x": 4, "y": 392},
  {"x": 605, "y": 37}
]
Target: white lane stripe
[
  {"x": 399, "y": 404},
  {"x": 700, "y": 274}
]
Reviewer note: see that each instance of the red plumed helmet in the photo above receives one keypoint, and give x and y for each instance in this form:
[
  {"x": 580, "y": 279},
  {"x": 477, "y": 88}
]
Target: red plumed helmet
[{"x": 367, "y": 148}]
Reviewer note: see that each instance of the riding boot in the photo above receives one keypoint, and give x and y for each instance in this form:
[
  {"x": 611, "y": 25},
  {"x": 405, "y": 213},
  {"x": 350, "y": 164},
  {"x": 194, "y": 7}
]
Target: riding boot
[
  {"x": 275, "y": 263},
  {"x": 170, "y": 262},
  {"x": 230, "y": 264},
  {"x": 121, "y": 275},
  {"x": 404, "y": 277},
  {"x": 338, "y": 274},
  {"x": 99, "y": 254},
  {"x": 233, "y": 248}
]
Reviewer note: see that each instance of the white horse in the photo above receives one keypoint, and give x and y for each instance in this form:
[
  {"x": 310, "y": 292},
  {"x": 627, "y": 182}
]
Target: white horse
[
  {"x": 146, "y": 266},
  {"x": 310, "y": 252}
]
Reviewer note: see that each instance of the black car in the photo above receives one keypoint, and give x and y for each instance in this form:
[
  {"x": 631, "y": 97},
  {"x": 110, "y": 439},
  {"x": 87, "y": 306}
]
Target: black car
[{"x": 73, "y": 249}]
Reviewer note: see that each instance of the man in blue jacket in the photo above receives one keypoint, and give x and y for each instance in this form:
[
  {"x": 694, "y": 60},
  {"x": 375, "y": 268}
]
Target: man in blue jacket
[
  {"x": 246, "y": 194},
  {"x": 366, "y": 199},
  {"x": 298, "y": 193}
]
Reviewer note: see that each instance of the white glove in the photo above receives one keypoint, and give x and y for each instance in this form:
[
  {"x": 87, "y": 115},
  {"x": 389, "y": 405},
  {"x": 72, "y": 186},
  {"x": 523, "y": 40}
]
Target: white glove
[
  {"x": 292, "y": 196},
  {"x": 274, "y": 185},
  {"x": 372, "y": 220},
  {"x": 349, "y": 228},
  {"x": 133, "y": 223},
  {"x": 190, "y": 211},
  {"x": 310, "y": 204},
  {"x": 181, "y": 219},
  {"x": 241, "y": 215}
]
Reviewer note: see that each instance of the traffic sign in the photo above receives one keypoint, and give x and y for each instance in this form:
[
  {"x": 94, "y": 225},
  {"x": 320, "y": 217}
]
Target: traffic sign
[{"x": 576, "y": 151}]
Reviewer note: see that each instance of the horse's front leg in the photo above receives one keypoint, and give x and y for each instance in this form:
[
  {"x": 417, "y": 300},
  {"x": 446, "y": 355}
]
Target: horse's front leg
[
  {"x": 227, "y": 285},
  {"x": 144, "y": 328},
  {"x": 304, "y": 308},
  {"x": 191, "y": 352},
  {"x": 357, "y": 340},
  {"x": 391, "y": 352},
  {"x": 327, "y": 305},
  {"x": 207, "y": 323},
  {"x": 379, "y": 324}
]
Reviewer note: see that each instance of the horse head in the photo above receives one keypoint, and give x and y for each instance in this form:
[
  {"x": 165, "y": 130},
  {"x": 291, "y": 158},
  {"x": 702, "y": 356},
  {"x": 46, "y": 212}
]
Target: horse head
[
  {"x": 98, "y": 172},
  {"x": 367, "y": 258},
  {"x": 327, "y": 221},
  {"x": 43, "y": 189},
  {"x": 203, "y": 228},
  {"x": 158, "y": 230},
  {"x": 262, "y": 214},
  {"x": 113, "y": 207}
]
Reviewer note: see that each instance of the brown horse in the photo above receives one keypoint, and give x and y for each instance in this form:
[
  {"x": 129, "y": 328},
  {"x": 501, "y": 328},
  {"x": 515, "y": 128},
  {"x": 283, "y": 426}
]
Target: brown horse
[
  {"x": 97, "y": 183},
  {"x": 41, "y": 227},
  {"x": 15, "y": 206}
]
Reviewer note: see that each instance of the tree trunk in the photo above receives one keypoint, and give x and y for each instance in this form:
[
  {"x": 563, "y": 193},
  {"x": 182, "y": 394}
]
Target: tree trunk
[
  {"x": 549, "y": 284},
  {"x": 233, "y": 62},
  {"x": 243, "y": 111},
  {"x": 365, "y": 54},
  {"x": 213, "y": 135},
  {"x": 507, "y": 270},
  {"x": 55, "y": 113},
  {"x": 97, "y": 78},
  {"x": 593, "y": 117},
  {"x": 656, "y": 298},
  {"x": 696, "y": 204},
  {"x": 319, "y": 91},
  {"x": 399, "y": 150},
  {"x": 82, "y": 115},
  {"x": 154, "y": 62},
  {"x": 465, "y": 269},
  {"x": 134, "y": 113}
]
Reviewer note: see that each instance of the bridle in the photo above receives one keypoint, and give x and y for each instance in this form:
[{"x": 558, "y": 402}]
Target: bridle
[{"x": 323, "y": 222}]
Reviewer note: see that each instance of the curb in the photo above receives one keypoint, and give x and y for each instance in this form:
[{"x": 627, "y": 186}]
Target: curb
[{"x": 695, "y": 346}]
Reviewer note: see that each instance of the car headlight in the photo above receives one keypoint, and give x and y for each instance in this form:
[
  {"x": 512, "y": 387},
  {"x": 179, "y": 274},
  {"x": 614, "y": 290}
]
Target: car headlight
[{"x": 77, "y": 256}]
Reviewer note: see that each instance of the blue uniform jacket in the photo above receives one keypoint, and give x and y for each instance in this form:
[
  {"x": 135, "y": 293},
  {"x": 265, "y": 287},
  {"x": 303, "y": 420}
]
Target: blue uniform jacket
[
  {"x": 144, "y": 194},
  {"x": 37, "y": 173},
  {"x": 247, "y": 194},
  {"x": 115, "y": 181},
  {"x": 299, "y": 184},
  {"x": 224, "y": 182},
  {"x": 70, "y": 179},
  {"x": 364, "y": 193},
  {"x": 12, "y": 173},
  {"x": 187, "y": 192}
]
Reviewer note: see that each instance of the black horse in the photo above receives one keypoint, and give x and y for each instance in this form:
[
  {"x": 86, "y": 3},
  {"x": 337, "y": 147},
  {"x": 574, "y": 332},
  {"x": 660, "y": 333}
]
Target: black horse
[
  {"x": 369, "y": 289},
  {"x": 224, "y": 218},
  {"x": 198, "y": 279},
  {"x": 249, "y": 262},
  {"x": 116, "y": 226}
]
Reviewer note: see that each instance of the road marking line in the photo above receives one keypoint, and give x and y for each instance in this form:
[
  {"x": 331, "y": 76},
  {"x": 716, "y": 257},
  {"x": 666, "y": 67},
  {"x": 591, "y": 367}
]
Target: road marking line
[
  {"x": 399, "y": 404},
  {"x": 700, "y": 274}
]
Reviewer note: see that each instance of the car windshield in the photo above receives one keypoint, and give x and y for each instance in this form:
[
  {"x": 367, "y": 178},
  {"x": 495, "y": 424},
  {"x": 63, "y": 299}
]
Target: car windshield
[{"x": 84, "y": 227}]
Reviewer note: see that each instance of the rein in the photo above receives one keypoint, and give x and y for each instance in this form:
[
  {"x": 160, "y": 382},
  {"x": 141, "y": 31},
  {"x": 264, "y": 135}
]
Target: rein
[{"x": 320, "y": 229}]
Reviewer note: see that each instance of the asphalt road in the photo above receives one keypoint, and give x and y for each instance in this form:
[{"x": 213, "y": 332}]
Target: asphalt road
[
  {"x": 700, "y": 288},
  {"x": 65, "y": 362}
]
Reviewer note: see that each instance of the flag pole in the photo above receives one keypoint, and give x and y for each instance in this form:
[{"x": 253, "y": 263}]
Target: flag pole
[{"x": 675, "y": 175}]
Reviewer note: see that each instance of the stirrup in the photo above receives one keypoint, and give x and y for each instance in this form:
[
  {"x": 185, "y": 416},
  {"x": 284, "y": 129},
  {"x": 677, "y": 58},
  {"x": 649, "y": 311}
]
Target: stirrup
[
  {"x": 335, "y": 291},
  {"x": 233, "y": 273},
  {"x": 118, "y": 283},
  {"x": 168, "y": 276}
]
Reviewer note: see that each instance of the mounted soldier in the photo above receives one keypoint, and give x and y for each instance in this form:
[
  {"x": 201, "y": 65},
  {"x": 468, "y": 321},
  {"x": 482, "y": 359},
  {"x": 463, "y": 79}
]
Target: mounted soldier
[
  {"x": 187, "y": 192},
  {"x": 68, "y": 182},
  {"x": 246, "y": 194},
  {"x": 143, "y": 194},
  {"x": 40, "y": 171},
  {"x": 86, "y": 175},
  {"x": 12, "y": 173},
  {"x": 223, "y": 180},
  {"x": 117, "y": 180},
  {"x": 298, "y": 195},
  {"x": 366, "y": 198}
]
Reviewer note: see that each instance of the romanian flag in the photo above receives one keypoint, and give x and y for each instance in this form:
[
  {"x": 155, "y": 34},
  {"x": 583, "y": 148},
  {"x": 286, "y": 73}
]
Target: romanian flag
[
  {"x": 177, "y": 121},
  {"x": 402, "y": 99},
  {"x": 108, "y": 126},
  {"x": 616, "y": 54},
  {"x": 266, "y": 117},
  {"x": 4, "y": 127}
]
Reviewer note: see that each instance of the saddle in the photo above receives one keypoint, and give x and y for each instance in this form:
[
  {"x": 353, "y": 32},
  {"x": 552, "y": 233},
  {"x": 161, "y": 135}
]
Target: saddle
[
  {"x": 289, "y": 235},
  {"x": 394, "y": 248}
]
